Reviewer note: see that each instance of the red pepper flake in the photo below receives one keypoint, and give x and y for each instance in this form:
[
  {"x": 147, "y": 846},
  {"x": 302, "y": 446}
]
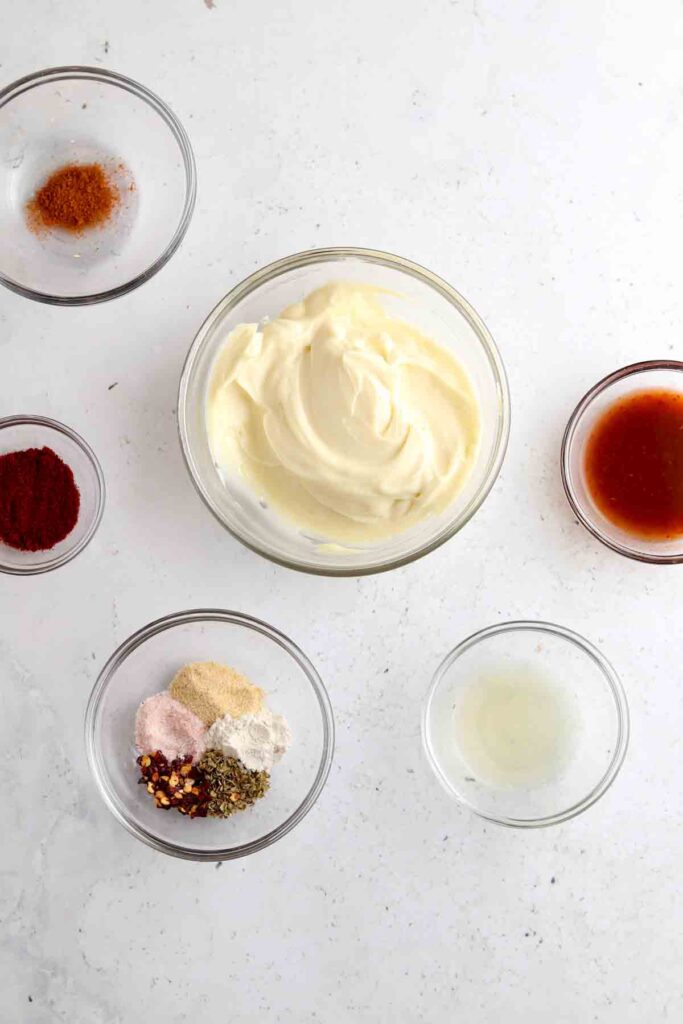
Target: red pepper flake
[
  {"x": 39, "y": 499},
  {"x": 177, "y": 783}
]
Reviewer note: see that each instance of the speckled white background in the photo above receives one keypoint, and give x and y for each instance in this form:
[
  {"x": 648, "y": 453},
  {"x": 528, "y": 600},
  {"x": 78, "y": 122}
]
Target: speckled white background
[{"x": 530, "y": 152}]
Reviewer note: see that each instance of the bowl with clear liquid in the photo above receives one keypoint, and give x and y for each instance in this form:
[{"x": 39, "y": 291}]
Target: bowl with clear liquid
[{"x": 526, "y": 723}]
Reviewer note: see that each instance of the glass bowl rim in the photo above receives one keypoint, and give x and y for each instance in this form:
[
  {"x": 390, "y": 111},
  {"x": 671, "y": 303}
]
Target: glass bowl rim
[
  {"x": 582, "y": 407},
  {"x": 107, "y": 673},
  {"x": 67, "y": 556},
  {"x": 610, "y": 676},
  {"x": 310, "y": 257},
  {"x": 87, "y": 73}
]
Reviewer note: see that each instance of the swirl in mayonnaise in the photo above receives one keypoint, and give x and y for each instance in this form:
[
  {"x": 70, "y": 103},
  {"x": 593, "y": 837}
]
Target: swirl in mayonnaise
[{"x": 345, "y": 419}]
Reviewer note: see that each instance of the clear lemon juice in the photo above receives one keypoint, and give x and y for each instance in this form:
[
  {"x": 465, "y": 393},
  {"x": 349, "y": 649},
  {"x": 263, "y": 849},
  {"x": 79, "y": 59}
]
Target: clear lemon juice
[{"x": 515, "y": 726}]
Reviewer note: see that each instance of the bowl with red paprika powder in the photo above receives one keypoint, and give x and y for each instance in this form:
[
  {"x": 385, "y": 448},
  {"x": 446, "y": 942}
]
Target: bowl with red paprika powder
[
  {"x": 622, "y": 461},
  {"x": 51, "y": 494},
  {"x": 97, "y": 185}
]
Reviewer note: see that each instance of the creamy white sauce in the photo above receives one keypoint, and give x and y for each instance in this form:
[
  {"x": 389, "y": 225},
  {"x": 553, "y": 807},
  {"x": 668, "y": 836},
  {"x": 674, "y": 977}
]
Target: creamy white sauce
[{"x": 347, "y": 420}]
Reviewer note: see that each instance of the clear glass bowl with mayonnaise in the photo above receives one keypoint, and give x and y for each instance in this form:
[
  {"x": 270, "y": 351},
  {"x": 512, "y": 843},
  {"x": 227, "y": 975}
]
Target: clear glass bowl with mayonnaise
[{"x": 343, "y": 411}]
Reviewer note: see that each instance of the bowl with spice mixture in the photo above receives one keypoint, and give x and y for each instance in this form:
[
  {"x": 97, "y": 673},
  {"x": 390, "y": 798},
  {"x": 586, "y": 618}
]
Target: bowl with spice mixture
[
  {"x": 209, "y": 734},
  {"x": 97, "y": 185},
  {"x": 51, "y": 494}
]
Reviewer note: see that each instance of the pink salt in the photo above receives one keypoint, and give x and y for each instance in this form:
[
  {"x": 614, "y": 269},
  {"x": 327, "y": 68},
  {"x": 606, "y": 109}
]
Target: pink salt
[{"x": 165, "y": 724}]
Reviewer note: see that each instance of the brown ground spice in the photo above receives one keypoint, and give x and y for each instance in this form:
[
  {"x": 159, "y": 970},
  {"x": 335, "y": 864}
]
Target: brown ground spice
[{"x": 74, "y": 198}]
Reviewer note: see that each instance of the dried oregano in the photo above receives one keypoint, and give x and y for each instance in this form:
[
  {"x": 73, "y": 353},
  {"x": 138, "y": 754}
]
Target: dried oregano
[{"x": 232, "y": 787}]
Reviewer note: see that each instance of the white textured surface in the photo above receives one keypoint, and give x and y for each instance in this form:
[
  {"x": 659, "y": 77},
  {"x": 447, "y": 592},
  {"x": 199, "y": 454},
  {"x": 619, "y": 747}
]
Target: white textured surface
[{"x": 530, "y": 153}]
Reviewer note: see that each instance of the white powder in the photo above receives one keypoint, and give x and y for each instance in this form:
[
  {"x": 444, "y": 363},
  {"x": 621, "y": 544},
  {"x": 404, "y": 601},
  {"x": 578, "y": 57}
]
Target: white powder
[{"x": 258, "y": 740}]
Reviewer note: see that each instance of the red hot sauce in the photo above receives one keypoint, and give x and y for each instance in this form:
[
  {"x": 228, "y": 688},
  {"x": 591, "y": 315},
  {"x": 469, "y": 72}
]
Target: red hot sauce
[{"x": 634, "y": 464}]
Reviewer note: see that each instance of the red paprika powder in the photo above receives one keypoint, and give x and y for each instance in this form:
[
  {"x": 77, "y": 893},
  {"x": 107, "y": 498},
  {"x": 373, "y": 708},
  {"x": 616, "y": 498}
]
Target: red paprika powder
[
  {"x": 75, "y": 197},
  {"x": 39, "y": 499}
]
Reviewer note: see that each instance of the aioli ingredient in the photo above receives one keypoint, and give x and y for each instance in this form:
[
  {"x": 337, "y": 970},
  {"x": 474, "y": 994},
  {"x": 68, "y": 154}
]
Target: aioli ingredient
[
  {"x": 634, "y": 464},
  {"x": 211, "y": 691},
  {"x": 348, "y": 420},
  {"x": 187, "y": 768},
  {"x": 164, "y": 724},
  {"x": 258, "y": 741},
  {"x": 74, "y": 198},
  {"x": 39, "y": 499},
  {"x": 175, "y": 784},
  {"x": 514, "y": 727},
  {"x": 232, "y": 787}
]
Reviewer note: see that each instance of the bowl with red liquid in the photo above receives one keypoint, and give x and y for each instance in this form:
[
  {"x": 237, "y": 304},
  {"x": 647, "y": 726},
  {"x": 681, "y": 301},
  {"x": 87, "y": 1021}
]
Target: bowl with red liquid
[
  {"x": 622, "y": 461},
  {"x": 51, "y": 494}
]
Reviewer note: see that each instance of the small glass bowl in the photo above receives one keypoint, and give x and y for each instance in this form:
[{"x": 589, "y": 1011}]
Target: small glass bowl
[
  {"x": 87, "y": 115},
  {"x": 591, "y": 693},
  {"x": 415, "y": 295},
  {"x": 20, "y": 432},
  {"x": 145, "y": 664},
  {"x": 653, "y": 374}
]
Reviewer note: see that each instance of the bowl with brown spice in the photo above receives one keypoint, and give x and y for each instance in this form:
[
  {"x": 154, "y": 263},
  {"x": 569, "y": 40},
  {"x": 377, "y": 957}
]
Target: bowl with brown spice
[
  {"x": 97, "y": 185},
  {"x": 209, "y": 734}
]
